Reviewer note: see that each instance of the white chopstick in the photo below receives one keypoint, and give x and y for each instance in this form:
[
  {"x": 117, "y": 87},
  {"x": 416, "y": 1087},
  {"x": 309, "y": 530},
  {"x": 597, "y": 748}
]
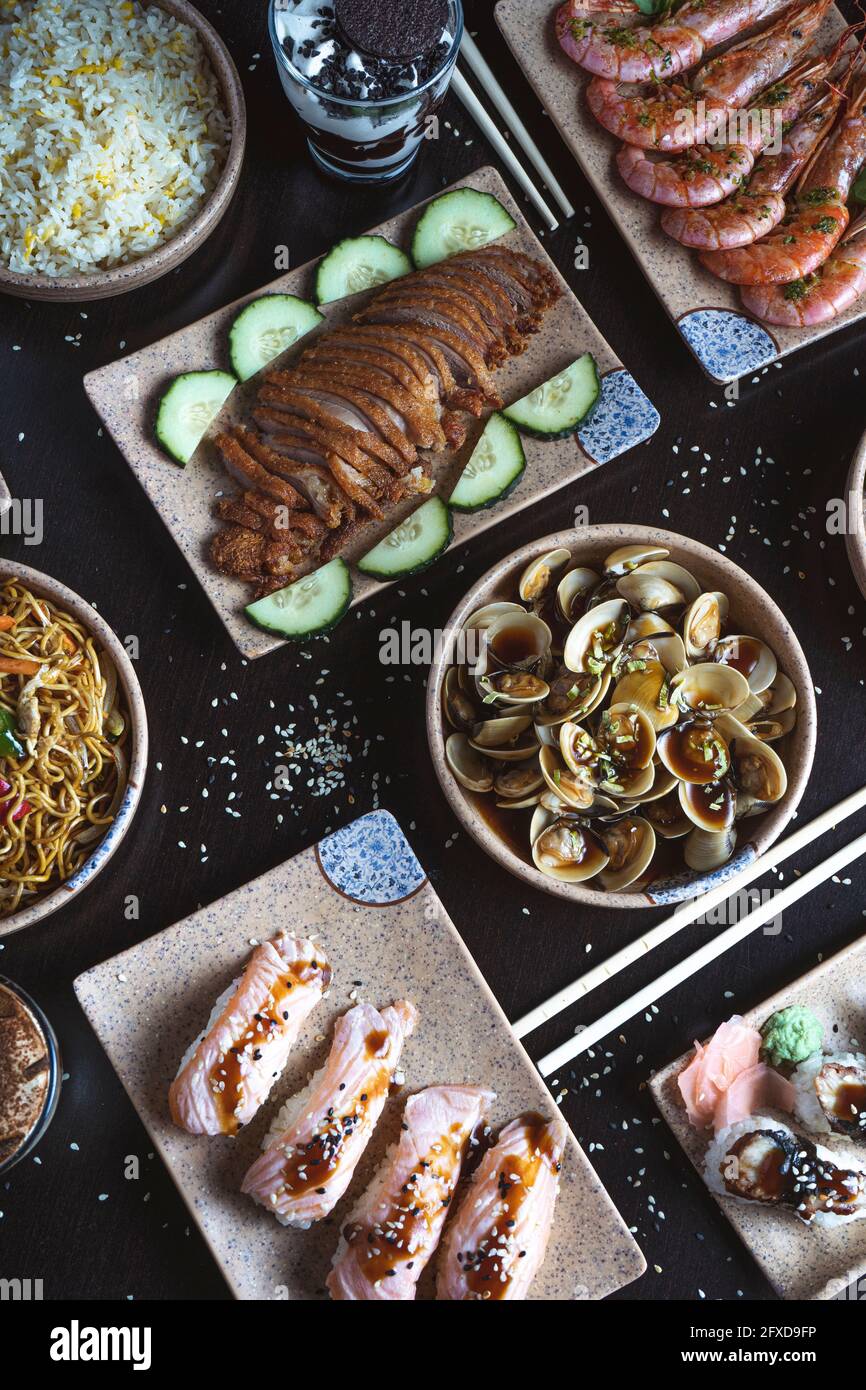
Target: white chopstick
[
  {"x": 651, "y": 993},
  {"x": 688, "y": 913},
  {"x": 500, "y": 144},
  {"x": 479, "y": 66}
]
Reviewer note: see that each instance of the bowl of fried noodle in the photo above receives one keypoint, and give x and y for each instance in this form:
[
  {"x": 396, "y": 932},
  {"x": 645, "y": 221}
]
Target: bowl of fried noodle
[{"x": 73, "y": 745}]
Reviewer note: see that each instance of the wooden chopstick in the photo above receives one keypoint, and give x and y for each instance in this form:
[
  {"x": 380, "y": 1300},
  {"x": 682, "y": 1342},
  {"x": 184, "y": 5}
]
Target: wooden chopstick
[
  {"x": 688, "y": 913},
  {"x": 651, "y": 993},
  {"x": 487, "y": 79},
  {"x": 488, "y": 127}
]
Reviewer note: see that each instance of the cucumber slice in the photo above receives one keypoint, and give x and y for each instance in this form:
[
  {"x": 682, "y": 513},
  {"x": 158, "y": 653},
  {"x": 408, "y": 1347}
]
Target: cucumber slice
[
  {"x": 413, "y": 545},
  {"x": 558, "y": 407},
  {"x": 494, "y": 470},
  {"x": 462, "y": 220},
  {"x": 309, "y": 607},
  {"x": 266, "y": 328},
  {"x": 187, "y": 408},
  {"x": 359, "y": 263}
]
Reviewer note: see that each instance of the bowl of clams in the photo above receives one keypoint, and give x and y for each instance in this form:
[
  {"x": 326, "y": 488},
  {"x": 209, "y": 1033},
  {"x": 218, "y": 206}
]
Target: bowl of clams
[{"x": 621, "y": 716}]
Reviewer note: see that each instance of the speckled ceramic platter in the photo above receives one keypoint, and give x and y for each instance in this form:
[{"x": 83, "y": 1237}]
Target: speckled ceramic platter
[
  {"x": 855, "y": 535},
  {"x": 727, "y": 341},
  {"x": 752, "y": 611},
  {"x": 387, "y": 935},
  {"x": 800, "y": 1262},
  {"x": 125, "y": 393}
]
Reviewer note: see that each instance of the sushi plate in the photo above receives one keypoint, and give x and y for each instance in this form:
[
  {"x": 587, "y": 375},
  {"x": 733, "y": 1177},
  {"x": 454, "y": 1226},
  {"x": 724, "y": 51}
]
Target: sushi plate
[
  {"x": 125, "y": 395},
  {"x": 801, "y": 1262},
  {"x": 855, "y": 534},
  {"x": 388, "y": 936},
  {"x": 727, "y": 342}
]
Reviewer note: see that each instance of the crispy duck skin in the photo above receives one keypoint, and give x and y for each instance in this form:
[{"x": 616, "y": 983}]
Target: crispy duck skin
[
  {"x": 538, "y": 280},
  {"x": 416, "y": 346},
  {"x": 466, "y": 362},
  {"x": 454, "y": 305},
  {"x": 416, "y": 418},
  {"x": 251, "y": 471},
  {"x": 491, "y": 297},
  {"x": 336, "y": 358},
  {"x": 345, "y": 443},
  {"x": 239, "y": 552},
  {"x": 330, "y": 412},
  {"x": 433, "y": 312},
  {"x": 336, "y": 347},
  {"x": 357, "y": 408},
  {"x": 325, "y": 496}
]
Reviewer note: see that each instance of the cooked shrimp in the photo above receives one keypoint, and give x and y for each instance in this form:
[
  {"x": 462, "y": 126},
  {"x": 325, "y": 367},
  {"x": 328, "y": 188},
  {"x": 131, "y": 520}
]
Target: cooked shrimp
[
  {"x": 642, "y": 51},
  {"x": 818, "y": 218},
  {"x": 737, "y": 75},
  {"x": 819, "y": 297},
  {"x": 671, "y": 116},
  {"x": 695, "y": 179},
  {"x": 760, "y": 206}
]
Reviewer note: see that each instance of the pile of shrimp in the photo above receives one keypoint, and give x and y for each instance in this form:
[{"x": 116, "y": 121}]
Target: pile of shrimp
[{"x": 754, "y": 158}]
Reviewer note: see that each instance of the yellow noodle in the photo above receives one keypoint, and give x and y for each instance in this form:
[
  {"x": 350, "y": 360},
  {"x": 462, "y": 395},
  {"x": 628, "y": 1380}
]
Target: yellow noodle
[{"x": 68, "y": 776}]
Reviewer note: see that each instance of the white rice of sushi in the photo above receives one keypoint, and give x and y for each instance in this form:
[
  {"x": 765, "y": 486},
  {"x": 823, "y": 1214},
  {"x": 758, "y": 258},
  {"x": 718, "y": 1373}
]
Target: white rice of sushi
[
  {"x": 729, "y": 1136},
  {"x": 286, "y": 1118},
  {"x": 807, "y": 1107},
  {"x": 214, "y": 1015}
]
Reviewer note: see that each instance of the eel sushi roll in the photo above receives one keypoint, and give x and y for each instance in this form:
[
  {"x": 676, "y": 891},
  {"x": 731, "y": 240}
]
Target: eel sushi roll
[
  {"x": 316, "y": 1141},
  {"x": 831, "y": 1094},
  {"x": 227, "y": 1073},
  {"x": 393, "y": 1232},
  {"x": 762, "y": 1161}
]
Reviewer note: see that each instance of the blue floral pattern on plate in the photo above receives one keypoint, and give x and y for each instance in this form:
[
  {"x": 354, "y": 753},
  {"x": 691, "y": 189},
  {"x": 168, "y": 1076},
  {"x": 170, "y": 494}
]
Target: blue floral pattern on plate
[
  {"x": 107, "y": 846},
  {"x": 371, "y": 861},
  {"x": 623, "y": 417},
  {"x": 726, "y": 344},
  {"x": 680, "y": 887}
]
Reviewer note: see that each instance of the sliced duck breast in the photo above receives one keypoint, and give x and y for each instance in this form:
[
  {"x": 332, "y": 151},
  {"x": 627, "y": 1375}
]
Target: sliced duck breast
[
  {"x": 466, "y": 362},
  {"x": 307, "y": 475},
  {"x": 419, "y": 419},
  {"x": 336, "y": 348},
  {"x": 455, "y": 305},
  {"x": 250, "y": 471},
  {"x": 326, "y": 399},
  {"x": 289, "y": 408}
]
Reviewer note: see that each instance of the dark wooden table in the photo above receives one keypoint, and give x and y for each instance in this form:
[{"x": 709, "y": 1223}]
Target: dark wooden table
[{"x": 754, "y": 478}]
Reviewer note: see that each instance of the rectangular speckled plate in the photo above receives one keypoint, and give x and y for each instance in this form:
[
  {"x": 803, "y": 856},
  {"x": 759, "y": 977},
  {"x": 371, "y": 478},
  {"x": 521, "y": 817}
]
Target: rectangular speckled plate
[
  {"x": 800, "y": 1262},
  {"x": 364, "y": 893},
  {"x": 126, "y": 392},
  {"x": 727, "y": 342}
]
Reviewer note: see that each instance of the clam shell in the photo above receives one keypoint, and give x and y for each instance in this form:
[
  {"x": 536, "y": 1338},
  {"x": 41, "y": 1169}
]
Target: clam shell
[
  {"x": 750, "y": 656},
  {"x": 702, "y": 624},
  {"x": 695, "y": 751},
  {"x": 513, "y": 688},
  {"x": 575, "y": 585},
  {"x": 628, "y": 557},
  {"x": 642, "y": 689},
  {"x": 757, "y": 768},
  {"x": 667, "y": 817},
  {"x": 575, "y": 788},
  {"x": 471, "y": 768},
  {"x": 711, "y": 806},
  {"x": 708, "y": 688},
  {"x": 601, "y": 630},
  {"x": 460, "y": 712},
  {"x": 519, "y": 782},
  {"x": 631, "y": 845},
  {"x": 536, "y": 578},
  {"x": 628, "y": 734},
  {"x": 590, "y": 692},
  {"x": 569, "y": 852},
  {"x": 497, "y": 732},
  {"x": 517, "y": 641},
  {"x": 706, "y": 850}
]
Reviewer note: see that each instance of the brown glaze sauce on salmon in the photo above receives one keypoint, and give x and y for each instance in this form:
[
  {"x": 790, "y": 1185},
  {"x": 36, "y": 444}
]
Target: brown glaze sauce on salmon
[{"x": 226, "y": 1077}]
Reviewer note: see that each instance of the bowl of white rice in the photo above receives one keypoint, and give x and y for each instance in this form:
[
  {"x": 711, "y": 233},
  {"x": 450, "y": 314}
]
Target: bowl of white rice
[{"x": 121, "y": 143}]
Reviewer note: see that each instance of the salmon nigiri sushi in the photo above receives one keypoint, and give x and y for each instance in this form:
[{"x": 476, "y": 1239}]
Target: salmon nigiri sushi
[
  {"x": 395, "y": 1228},
  {"x": 228, "y": 1072},
  {"x": 498, "y": 1238},
  {"x": 317, "y": 1139}
]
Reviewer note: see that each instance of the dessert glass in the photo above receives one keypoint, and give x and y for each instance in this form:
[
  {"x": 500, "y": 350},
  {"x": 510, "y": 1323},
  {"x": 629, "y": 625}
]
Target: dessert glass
[{"x": 366, "y": 141}]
